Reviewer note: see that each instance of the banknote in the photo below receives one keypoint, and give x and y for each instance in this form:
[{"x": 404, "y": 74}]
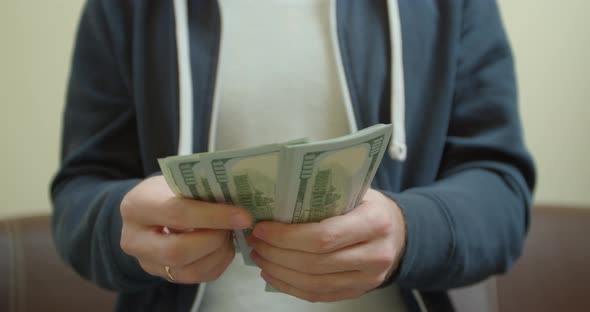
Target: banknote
[
  {"x": 324, "y": 179},
  {"x": 329, "y": 178},
  {"x": 167, "y": 173},
  {"x": 245, "y": 178},
  {"x": 290, "y": 182},
  {"x": 178, "y": 172}
]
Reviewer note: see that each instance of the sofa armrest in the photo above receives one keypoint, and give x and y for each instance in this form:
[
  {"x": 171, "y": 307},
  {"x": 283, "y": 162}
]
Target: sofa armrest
[
  {"x": 553, "y": 273},
  {"x": 34, "y": 278}
]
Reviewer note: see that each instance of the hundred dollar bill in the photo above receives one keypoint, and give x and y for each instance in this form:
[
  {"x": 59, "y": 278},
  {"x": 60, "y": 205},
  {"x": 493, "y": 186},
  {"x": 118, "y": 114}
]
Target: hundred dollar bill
[
  {"x": 166, "y": 172},
  {"x": 245, "y": 178},
  {"x": 178, "y": 172},
  {"x": 329, "y": 178}
]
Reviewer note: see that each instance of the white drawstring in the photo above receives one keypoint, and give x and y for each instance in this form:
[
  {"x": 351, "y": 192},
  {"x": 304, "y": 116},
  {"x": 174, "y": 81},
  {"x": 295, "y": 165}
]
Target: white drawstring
[
  {"x": 397, "y": 149},
  {"x": 185, "y": 98},
  {"x": 340, "y": 67},
  {"x": 185, "y": 80}
]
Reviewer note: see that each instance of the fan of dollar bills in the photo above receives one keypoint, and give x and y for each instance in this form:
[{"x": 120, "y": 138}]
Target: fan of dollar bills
[{"x": 291, "y": 182}]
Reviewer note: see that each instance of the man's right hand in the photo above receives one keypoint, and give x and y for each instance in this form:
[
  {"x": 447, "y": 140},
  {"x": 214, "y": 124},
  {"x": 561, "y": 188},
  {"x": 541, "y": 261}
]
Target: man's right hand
[{"x": 199, "y": 247}]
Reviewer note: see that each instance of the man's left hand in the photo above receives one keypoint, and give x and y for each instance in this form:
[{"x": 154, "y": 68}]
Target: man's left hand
[{"x": 338, "y": 258}]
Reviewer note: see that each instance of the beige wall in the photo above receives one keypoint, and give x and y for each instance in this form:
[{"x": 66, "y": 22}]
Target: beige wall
[
  {"x": 36, "y": 40},
  {"x": 551, "y": 43},
  {"x": 552, "y": 48}
]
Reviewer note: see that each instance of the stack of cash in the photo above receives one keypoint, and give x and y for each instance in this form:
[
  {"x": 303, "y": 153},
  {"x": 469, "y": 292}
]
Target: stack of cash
[{"x": 291, "y": 182}]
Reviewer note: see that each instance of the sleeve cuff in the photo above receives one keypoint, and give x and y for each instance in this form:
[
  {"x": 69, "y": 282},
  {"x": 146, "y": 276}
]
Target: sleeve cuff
[
  {"x": 134, "y": 276},
  {"x": 429, "y": 239}
]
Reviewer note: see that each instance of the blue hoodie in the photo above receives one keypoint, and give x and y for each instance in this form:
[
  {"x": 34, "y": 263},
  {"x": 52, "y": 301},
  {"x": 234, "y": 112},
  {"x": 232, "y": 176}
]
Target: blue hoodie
[{"x": 458, "y": 166}]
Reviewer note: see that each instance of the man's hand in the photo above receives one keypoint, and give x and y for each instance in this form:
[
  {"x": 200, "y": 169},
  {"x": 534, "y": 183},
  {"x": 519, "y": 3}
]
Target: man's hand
[
  {"x": 339, "y": 258},
  {"x": 200, "y": 246}
]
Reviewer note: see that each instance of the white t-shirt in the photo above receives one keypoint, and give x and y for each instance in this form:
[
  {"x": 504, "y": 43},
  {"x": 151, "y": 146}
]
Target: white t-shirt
[
  {"x": 277, "y": 75},
  {"x": 278, "y": 81}
]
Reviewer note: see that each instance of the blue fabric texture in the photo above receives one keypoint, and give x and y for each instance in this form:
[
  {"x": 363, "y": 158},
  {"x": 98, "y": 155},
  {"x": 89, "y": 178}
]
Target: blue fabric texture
[{"x": 465, "y": 188}]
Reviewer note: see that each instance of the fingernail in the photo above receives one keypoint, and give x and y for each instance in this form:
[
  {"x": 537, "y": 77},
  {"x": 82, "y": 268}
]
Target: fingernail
[
  {"x": 239, "y": 221},
  {"x": 259, "y": 231}
]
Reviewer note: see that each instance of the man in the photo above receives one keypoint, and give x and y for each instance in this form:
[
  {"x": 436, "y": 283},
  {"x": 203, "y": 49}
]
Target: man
[{"x": 157, "y": 78}]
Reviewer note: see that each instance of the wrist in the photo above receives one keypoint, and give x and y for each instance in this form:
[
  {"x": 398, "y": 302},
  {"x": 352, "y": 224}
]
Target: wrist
[{"x": 398, "y": 237}]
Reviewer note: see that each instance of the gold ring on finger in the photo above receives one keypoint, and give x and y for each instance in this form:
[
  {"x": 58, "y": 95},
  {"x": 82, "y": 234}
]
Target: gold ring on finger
[{"x": 169, "y": 274}]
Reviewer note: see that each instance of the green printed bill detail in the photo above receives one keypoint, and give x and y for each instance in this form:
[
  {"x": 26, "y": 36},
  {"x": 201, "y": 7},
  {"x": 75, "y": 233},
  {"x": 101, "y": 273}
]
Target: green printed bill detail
[
  {"x": 291, "y": 182},
  {"x": 166, "y": 172},
  {"x": 331, "y": 178},
  {"x": 247, "y": 179},
  {"x": 179, "y": 175}
]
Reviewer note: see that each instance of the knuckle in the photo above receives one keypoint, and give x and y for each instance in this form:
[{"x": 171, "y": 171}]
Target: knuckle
[
  {"x": 126, "y": 208},
  {"x": 327, "y": 240},
  {"x": 126, "y": 243},
  {"x": 374, "y": 283},
  {"x": 381, "y": 223},
  {"x": 386, "y": 260},
  {"x": 383, "y": 259},
  {"x": 377, "y": 280}
]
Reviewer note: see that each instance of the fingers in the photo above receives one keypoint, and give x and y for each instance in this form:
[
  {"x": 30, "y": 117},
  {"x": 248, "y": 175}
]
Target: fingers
[
  {"x": 303, "y": 261},
  {"x": 320, "y": 283},
  {"x": 197, "y": 247},
  {"x": 362, "y": 257},
  {"x": 152, "y": 203},
  {"x": 362, "y": 224},
  {"x": 172, "y": 249},
  {"x": 187, "y": 214},
  {"x": 202, "y": 270},
  {"x": 206, "y": 269},
  {"x": 180, "y": 213}
]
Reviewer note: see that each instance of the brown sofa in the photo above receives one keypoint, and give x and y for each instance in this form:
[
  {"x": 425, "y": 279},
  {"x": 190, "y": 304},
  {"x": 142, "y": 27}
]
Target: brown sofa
[{"x": 552, "y": 275}]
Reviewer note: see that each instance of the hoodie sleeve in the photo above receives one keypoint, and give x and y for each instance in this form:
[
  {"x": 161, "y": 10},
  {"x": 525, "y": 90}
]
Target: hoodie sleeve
[
  {"x": 472, "y": 222},
  {"x": 100, "y": 159}
]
